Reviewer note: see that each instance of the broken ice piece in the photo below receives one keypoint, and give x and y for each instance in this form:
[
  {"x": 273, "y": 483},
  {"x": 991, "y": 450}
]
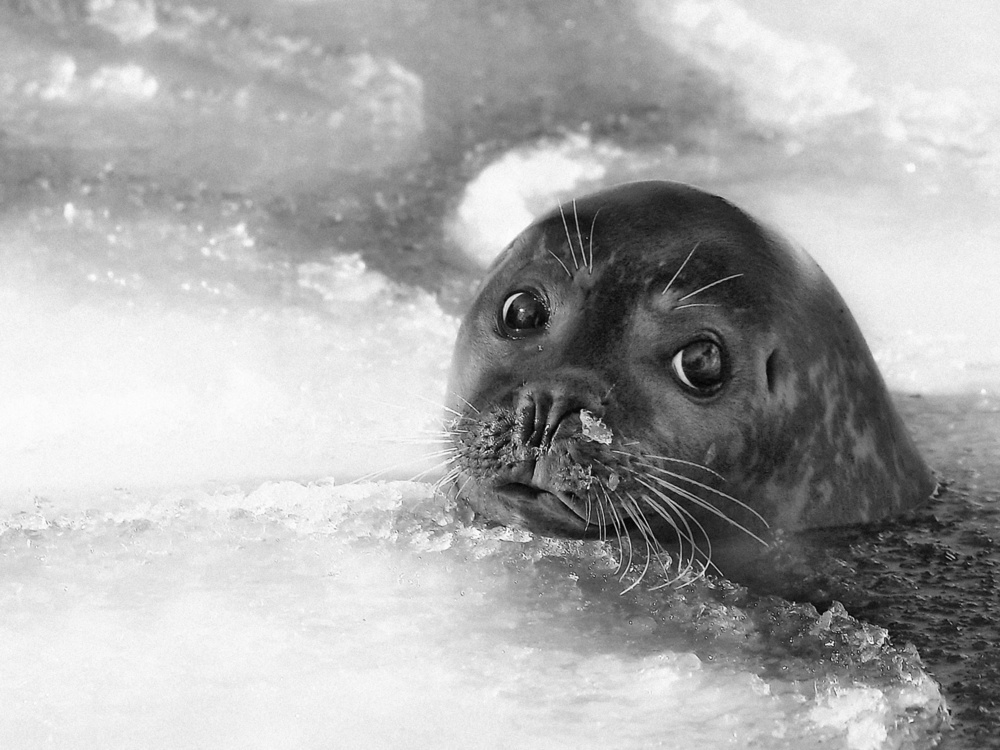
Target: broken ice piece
[{"x": 594, "y": 429}]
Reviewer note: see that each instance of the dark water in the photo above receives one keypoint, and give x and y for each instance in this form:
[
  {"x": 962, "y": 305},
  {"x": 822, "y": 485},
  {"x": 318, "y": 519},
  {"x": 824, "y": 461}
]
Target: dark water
[
  {"x": 930, "y": 579},
  {"x": 934, "y": 581}
]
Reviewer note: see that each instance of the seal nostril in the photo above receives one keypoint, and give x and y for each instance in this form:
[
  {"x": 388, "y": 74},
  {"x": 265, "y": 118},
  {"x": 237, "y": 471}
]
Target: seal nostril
[
  {"x": 771, "y": 371},
  {"x": 557, "y": 411},
  {"x": 533, "y": 413},
  {"x": 538, "y": 414},
  {"x": 526, "y": 414}
]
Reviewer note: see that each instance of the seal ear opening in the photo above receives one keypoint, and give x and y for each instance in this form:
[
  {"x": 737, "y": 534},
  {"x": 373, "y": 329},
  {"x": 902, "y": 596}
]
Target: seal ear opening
[{"x": 771, "y": 369}]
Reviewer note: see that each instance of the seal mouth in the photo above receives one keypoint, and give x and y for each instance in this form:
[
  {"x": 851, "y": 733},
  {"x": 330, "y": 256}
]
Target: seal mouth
[{"x": 546, "y": 511}]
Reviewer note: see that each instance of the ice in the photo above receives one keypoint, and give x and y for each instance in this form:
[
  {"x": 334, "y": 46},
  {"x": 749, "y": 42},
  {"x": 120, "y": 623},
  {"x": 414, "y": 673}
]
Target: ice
[
  {"x": 594, "y": 429},
  {"x": 129, "y": 20},
  {"x": 103, "y": 392},
  {"x": 110, "y": 84},
  {"x": 782, "y": 81},
  {"x": 507, "y": 195},
  {"x": 370, "y": 615}
]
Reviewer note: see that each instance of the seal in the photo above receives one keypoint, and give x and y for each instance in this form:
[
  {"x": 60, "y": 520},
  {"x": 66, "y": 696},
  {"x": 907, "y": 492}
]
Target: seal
[{"x": 651, "y": 361}]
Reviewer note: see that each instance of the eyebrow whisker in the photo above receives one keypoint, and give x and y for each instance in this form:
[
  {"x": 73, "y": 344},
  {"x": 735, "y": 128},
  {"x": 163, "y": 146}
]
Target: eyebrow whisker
[
  {"x": 592, "y": 223},
  {"x": 709, "y": 286},
  {"x": 678, "y": 273},
  {"x": 579, "y": 236},
  {"x": 559, "y": 261},
  {"x": 572, "y": 252}
]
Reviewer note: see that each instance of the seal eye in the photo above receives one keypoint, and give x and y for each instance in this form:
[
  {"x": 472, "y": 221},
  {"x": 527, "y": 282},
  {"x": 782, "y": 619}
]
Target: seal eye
[
  {"x": 523, "y": 313},
  {"x": 699, "y": 366}
]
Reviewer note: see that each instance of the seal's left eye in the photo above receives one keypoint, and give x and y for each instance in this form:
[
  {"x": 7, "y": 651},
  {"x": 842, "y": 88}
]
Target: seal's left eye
[
  {"x": 523, "y": 313},
  {"x": 699, "y": 366}
]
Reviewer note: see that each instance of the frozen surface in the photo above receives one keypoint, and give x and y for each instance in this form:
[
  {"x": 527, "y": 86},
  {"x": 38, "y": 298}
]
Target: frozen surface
[
  {"x": 234, "y": 241},
  {"x": 119, "y": 392},
  {"x": 368, "y": 616}
]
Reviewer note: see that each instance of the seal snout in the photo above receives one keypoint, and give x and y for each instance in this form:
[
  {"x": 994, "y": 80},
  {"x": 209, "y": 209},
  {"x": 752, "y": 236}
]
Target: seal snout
[
  {"x": 557, "y": 440},
  {"x": 546, "y": 411}
]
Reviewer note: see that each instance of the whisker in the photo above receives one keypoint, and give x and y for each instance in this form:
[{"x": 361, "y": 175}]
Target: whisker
[
  {"x": 697, "y": 501},
  {"x": 444, "y": 451},
  {"x": 697, "y": 304},
  {"x": 602, "y": 521},
  {"x": 618, "y": 522},
  {"x": 452, "y": 474},
  {"x": 447, "y": 428},
  {"x": 638, "y": 579},
  {"x": 579, "y": 237},
  {"x": 693, "y": 567},
  {"x": 438, "y": 404},
  {"x": 636, "y": 519},
  {"x": 437, "y": 467},
  {"x": 617, "y": 525},
  {"x": 702, "y": 503},
  {"x": 653, "y": 547},
  {"x": 672, "y": 460},
  {"x": 686, "y": 532},
  {"x": 464, "y": 401},
  {"x": 559, "y": 261},
  {"x": 592, "y": 223},
  {"x": 602, "y": 534},
  {"x": 428, "y": 440},
  {"x": 674, "y": 277},
  {"x": 381, "y": 473},
  {"x": 572, "y": 252},
  {"x": 408, "y": 407},
  {"x": 683, "y": 564},
  {"x": 449, "y": 478},
  {"x": 624, "y": 566},
  {"x": 706, "y": 553},
  {"x": 709, "y": 286},
  {"x": 626, "y": 539},
  {"x": 429, "y": 433},
  {"x": 714, "y": 491},
  {"x": 613, "y": 513}
]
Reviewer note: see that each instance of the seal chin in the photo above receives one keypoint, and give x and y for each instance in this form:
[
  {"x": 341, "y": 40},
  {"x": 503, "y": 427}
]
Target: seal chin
[{"x": 538, "y": 510}]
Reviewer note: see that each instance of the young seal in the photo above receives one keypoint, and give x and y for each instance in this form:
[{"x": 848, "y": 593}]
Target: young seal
[{"x": 651, "y": 360}]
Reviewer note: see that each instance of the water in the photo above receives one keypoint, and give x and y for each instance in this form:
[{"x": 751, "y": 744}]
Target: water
[{"x": 236, "y": 237}]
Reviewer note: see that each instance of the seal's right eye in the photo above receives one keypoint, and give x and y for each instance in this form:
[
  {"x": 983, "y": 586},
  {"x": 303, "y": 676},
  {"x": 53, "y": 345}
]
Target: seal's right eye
[{"x": 522, "y": 313}]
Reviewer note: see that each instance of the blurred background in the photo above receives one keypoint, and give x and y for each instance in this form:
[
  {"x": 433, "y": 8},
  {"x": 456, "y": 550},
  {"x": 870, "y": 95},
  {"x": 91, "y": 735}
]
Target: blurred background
[
  {"x": 233, "y": 232},
  {"x": 236, "y": 237}
]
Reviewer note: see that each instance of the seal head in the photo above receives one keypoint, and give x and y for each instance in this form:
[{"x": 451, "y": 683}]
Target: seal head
[{"x": 651, "y": 359}]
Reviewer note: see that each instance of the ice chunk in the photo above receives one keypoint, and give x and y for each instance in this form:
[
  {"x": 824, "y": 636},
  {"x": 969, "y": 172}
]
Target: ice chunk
[
  {"x": 594, "y": 429},
  {"x": 785, "y": 82}
]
